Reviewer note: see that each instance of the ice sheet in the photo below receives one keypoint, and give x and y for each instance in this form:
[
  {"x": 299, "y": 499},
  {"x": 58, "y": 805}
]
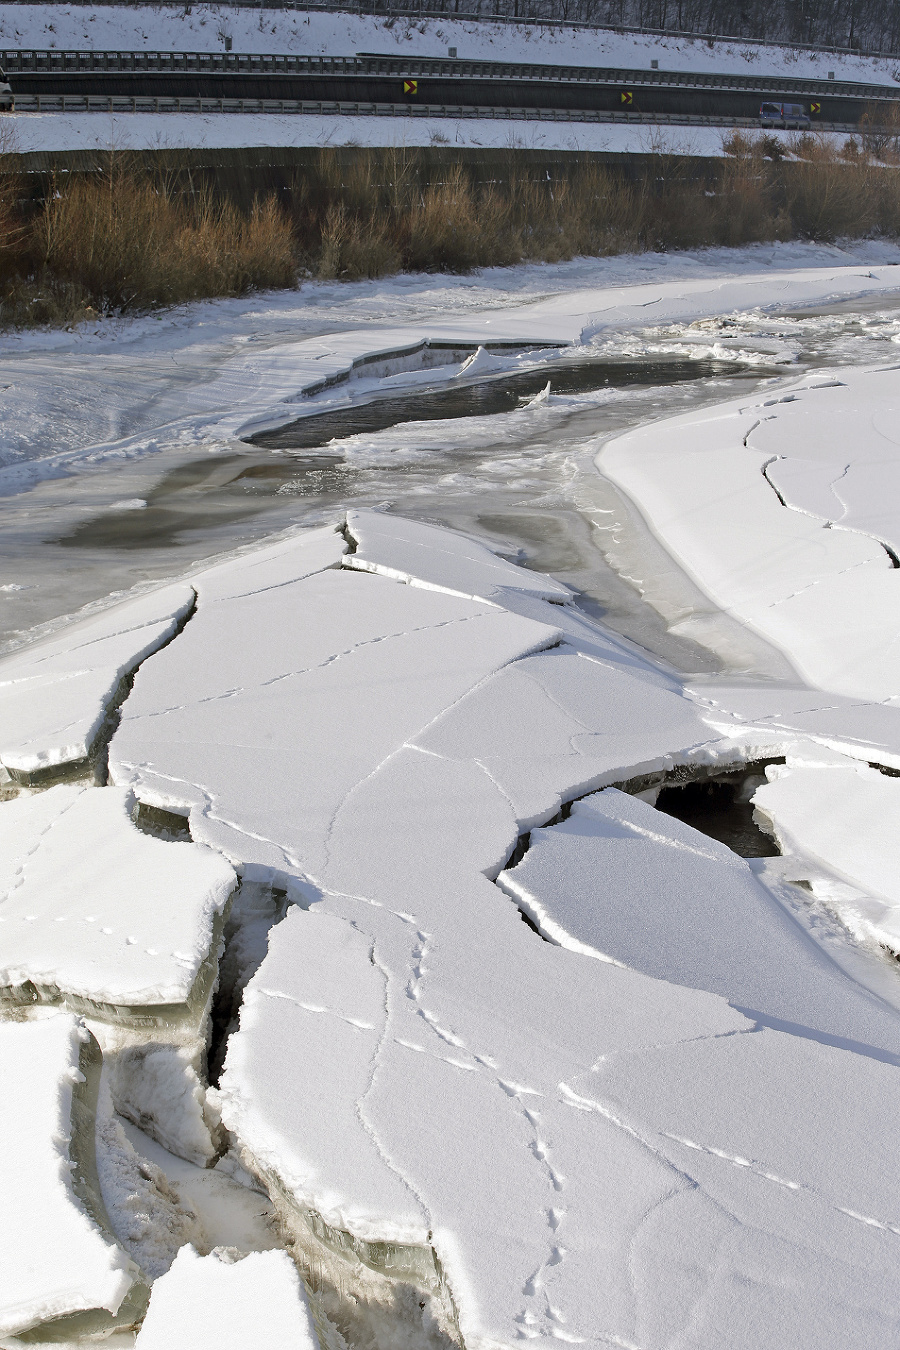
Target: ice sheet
[
  {"x": 623, "y": 881},
  {"x": 226, "y": 1302},
  {"x": 779, "y": 1191},
  {"x": 768, "y": 715},
  {"x": 417, "y": 1077},
  {"x": 262, "y": 742},
  {"x": 705, "y": 484},
  {"x": 288, "y": 560},
  {"x": 555, "y": 725},
  {"x": 97, "y": 913},
  {"x": 440, "y": 559},
  {"x": 55, "y": 694},
  {"x": 839, "y": 826},
  {"x": 58, "y": 1262}
]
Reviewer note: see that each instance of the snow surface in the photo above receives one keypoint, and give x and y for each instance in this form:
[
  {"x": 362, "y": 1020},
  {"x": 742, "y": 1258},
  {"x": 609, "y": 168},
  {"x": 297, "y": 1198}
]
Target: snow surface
[
  {"x": 780, "y": 508},
  {"x": 93, "y": 909},
  {"x": 29, "y": 132},
  {"x": 203, "y": 28},
  {"x": 409, "y": 1051},
  {"x": 57, "y": 1260},
  {"x": 55, "y": 695},
  {"x": 225, "y": 1301},
  {"x": 839, "y": 824},
  {"x": 621, "y": 881}
]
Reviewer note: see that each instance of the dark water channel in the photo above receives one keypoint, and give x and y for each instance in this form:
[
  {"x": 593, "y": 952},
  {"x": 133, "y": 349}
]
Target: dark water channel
[
  {"x": 720, "y": 808},
  {"x": 205, "y": 495},
  {"x": 483, "y": 398}
]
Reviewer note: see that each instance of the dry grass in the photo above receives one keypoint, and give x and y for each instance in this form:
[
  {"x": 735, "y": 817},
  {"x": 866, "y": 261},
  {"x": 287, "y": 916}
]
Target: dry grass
[
  {"x": 128, "y": 240},
  {"x": 122, "y": 241}
]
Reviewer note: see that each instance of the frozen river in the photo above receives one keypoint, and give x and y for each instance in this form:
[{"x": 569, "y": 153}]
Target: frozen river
[
  {"x": 488, "y": 452},
  {"x": 286, "y": 1065}
]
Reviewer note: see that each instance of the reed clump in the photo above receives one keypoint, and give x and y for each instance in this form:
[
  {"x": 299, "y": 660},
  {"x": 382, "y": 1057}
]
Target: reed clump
[
  {"x": 123, "y": 241},
  {"x": 130, "y": 239}
]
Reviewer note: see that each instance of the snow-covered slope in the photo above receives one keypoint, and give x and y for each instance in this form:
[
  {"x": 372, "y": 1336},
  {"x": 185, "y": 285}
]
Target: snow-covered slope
[{"x": 203, "y": 28}]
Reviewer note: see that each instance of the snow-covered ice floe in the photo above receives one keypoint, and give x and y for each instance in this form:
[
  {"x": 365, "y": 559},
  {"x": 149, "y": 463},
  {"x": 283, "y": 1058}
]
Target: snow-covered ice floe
[
  {"x": 475, "y": 1133},
  {"x": 94, "y": 913},
  {"x": 784, "y": 509},
  {"x": 228, "y": 1302},
  {"x": 61, "y": 1269},
  {"x": 55, "y": 695},
  {"x": 838, "y": 825}
]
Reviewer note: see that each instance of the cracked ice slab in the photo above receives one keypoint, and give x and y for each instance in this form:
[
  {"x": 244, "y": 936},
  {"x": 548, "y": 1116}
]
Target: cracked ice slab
[
  {"x": 416, "y": 1073},
  {"x": 839, "y": 824},
  {"x": 224, "y": 1302},
  {"x": 97, "y": 914},
  {"x": 836, "y": 451},
  {"x": 625, "y": 882},
  {"x": 704, "y": 483},
  {"x": 560, "y": 723},
  {"x": 408, "y": 1120},
  {"x": 440, "y": 559},
  {"x": 262, "y": 741},
  {"x": 800, "y": 1233},
  {"x": 60, "y": 1262},
  {"x": 55, "y": 694},
  {"x": 764, "y": 715},
  {"x": 279, "y": 564}
]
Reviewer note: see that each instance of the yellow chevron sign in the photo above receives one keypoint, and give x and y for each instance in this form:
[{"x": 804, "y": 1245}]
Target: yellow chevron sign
[
  {"x": 815, "y": 107},
  {"x": 626, "y": 97},
  {"x": 410, "y": 86}
]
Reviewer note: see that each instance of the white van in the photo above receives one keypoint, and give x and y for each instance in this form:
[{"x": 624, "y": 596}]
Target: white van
[
  {"x": 784, "y": 115},
  {"x": 7, "y": 102}
]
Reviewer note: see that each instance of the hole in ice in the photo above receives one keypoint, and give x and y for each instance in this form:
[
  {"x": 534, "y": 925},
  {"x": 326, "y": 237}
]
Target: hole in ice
[
  {"x": 720, "y": 807},
  {"x": 481, "y": 398}
]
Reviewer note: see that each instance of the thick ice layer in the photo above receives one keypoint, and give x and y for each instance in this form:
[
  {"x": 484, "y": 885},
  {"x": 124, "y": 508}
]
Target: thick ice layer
[
  {"x": 839, "y": 826},
  {"x": 625, "y": 882},
  {"x": 228, "y": 1302},
  {"x": 94, "y": 912},
  {"x": 800, "y": 565},
  {"x": 439, "y": 559},
  {"x": 60, "y": 1263},
  {"x": 55, "y": 694}
]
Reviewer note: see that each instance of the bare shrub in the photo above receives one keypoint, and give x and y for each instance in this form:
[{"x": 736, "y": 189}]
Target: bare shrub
[
  {"x": 126, "y": 239},
  {"x": 879, "y": 130}
]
